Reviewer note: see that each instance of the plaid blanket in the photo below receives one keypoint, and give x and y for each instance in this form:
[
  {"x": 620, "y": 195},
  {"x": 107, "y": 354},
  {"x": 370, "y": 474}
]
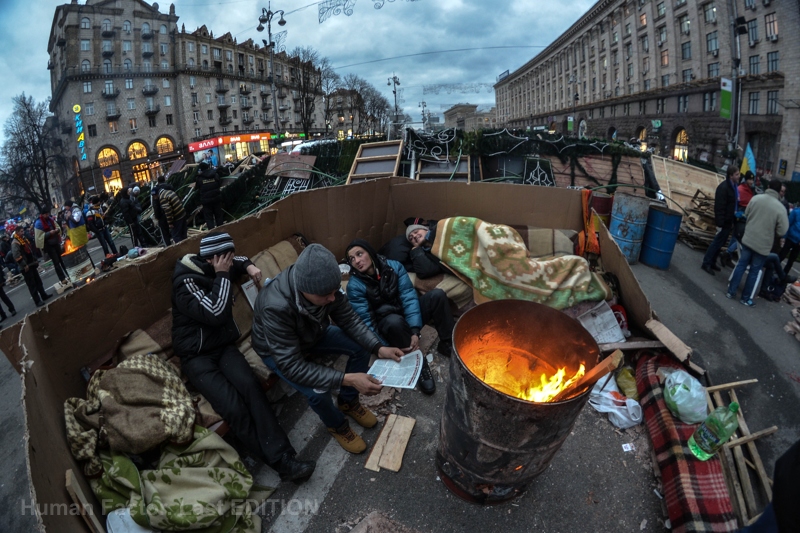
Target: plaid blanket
[
  {"x": 494, "y": 260},
  {"x": 695, "y": 491}
]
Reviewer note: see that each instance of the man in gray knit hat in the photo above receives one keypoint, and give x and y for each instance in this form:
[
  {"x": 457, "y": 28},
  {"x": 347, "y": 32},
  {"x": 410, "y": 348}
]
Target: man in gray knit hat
[{"x": 292, "y": 318}]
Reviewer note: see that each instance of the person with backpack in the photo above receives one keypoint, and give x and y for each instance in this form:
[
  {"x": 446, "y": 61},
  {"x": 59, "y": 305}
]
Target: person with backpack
[
  {"x": 97, "y": 225},
  {"x": 208, "y": 187}
]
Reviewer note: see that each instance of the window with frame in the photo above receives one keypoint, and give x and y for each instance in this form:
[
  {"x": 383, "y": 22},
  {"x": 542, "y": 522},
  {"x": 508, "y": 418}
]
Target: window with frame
[
  {"x": 86, "y": 65},
  {"x": 685, "y": 24},
  {"x": 753, "y": 102},
  {"x": 772, "y": 102},
  {"x": 712, "y": 44},
  {"x": 665, "y": 58},
  {"x": 111, "y": 108},
  {"x": 107, "y": 68},
  {"x": 129, "y": 83},
  {"x": 109, "y": 87},
  {"x": 229, "y": 55},
  {"x": 643, "y": 20},
  {"x": 86, "y": 23},
  {"x": 665, "y": 80},
  {"x": 686, "y": 50},
  {"x": 235, "y": 114},
  {"x": 211, "y": 130},
  {"x": 645, "y": 65},
  {"x": 168, "y": 117},
  {"x": 615, "y": 37},
  {"x": 197, "y": 132},
  {"x": 190, "y": 47},
  {"x": 630, "y": 70},
  {"x": 113, "y": 126},
  {"x": 167, "y": 100},
  {"x": 145, "y": 27},
  {"x": 196, "y": 115},
  {"x": 771, "y": 25},
  {"x": 642, "y": 107},
  {"x": 645, "y": 43},
  {"x": 126, "y": 26},
  {"x": 755, "y": 62},
  {"x": 628, "y": 50},
  {"x": 752, "y": 30},
  {"x": 107, "y": 46},
  {"x": 165, "y": 83},
  {"x": 662, "y": 34},
  {"x": 773, "y": 63},
  {"x": 630, "y": 88},
  {"x": 626, "y": 109},
  {"x": 132, "y": 124},
  {"x": 628, "y": 29},
  {"x": 127, "y": 46},
  {"x": 661, "y": 9},
  {"x": 163, "y": 48},
  {"x": 131, "y": 103},
  {"x": 86, "y": 45},
  {"x": 710, "y": 12},
  {"x": 151, "y": 121},
  {"x": 660, "y": 104},
  {"x": 204, "y": 49},
  {"x": 191, "y": 62},
  {"x": 647, "y": 84},
  {"x": 713, "y": 70},
  {"x": 710, "y": 101},
  {"x": 147, "y": 66},
  {"x": 163, "y": 29},
  {"x": 147, "y": 47},
  {"x": 88, "y": 108},
  {"x": 165, "y": 65},
  {"x": 683, "y": 103},
  {"x": 749, "y": 4},
  {"x": 602, "y": 112},
  {"x": 208, "y": 98},
  {"x": 686, "y": 74},
  {"x": 92, "y": 128},
  {"x": 210, "y": 114}
]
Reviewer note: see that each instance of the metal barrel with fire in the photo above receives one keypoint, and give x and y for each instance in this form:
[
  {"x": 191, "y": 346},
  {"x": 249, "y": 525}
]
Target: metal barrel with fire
[{"x": 517, "y": 385}]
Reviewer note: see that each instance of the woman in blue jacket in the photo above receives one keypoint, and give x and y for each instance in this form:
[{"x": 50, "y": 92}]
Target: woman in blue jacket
[
  {"x": 791, "y": 245},
  {"x": 382, "y": 294}
]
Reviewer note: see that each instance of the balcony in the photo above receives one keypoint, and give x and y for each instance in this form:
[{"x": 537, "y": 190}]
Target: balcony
[
  {"x": 152, "y": 110},
  {"x": 113, "y": 93},
  {"x": 108, "y": 52},
  {"x": 113, "y": 114},
  {"x": 147, "y": 35},
  {"x": 284, "y": 120},
  {"x": 222, "y": 88},
  {"x": 284, "y": 107},
  {"x": 62, "y": 41},
  {"x": 266, "y": 92},
  {"x": 281, "y": 94},
  {"x": 244, "y": 89},
  {"x": 266, "y": 106},
  {"x": 246, "y": 105},
  {"x": 147, "y": 53},
  {"x": 296, "y": 97},
  {"x": 224, "y": 121},
  {"x": 107, "y": 32},
  {"x": 150, "y": 90},
  {"x": 222, "y": 104},
  {"x": 248, "y": 120}
]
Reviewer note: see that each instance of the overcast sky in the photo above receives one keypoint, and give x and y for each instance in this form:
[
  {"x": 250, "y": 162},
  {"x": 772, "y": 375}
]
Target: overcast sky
[{"x": 371, "y": 42}]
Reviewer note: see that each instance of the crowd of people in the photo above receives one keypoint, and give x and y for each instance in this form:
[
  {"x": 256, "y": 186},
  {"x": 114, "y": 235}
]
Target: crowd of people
[{"x": 764, "y": 231}]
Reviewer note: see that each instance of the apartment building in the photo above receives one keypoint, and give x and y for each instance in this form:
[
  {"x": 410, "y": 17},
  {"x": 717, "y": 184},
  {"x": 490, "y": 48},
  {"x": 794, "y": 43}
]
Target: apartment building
[
  {"x": 653, "y": 70},
  {"x": 133, "y": 92},
  {"x": 468, "y": 117}
]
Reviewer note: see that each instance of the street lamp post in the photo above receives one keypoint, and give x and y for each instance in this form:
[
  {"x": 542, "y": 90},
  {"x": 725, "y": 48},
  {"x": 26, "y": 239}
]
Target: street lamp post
[
  {"x": 394, "y": 81},
  {"x": 424, "y": 123},
  {"x": 266, "y": 17}
]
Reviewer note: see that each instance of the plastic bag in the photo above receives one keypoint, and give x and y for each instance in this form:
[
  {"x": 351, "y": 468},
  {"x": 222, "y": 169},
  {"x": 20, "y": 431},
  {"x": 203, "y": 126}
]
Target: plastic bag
[
  {"x": 622, "y": 412},
  {"x": 684, "y": 395},
  {"x": 627, "y": 383}
]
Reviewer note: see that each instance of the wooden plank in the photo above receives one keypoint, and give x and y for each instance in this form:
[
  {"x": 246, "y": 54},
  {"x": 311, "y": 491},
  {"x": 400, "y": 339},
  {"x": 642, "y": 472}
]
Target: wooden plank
[
  {"x": 392, "y": 456},
  {"x": 697, "y": 369},
  {"x": 590, "y": 378},
  {"x": 724, "y": 386},
  {"x": 85, "y": 508},
  {"x": 631, "y": 345},
  {"x": 744, "y": 479},
  {"x": 751, "y": 437},
  {"x": 676, "y": 346},
  {"x": 728, "y": 464},
  {"x": 766, "y": 482},
  {"x": 377, "y": 450}
]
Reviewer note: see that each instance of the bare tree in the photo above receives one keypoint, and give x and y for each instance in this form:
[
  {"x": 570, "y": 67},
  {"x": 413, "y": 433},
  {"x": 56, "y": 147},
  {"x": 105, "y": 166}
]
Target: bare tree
[
  {"x": 32, "y": 157},
  {"x": 330, "y": 82},
  {"x": 304, "y": 62},
  {"x": 377, "y": 109},
  {"x": 354, "y": 86}
]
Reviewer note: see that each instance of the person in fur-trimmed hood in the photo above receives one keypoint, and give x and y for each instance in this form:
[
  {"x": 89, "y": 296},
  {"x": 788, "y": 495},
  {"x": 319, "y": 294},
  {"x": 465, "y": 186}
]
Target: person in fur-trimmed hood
[{"x": 204, "y": 334}]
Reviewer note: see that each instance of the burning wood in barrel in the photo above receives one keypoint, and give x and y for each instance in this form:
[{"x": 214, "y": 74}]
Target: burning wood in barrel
[
  {"x": 510, "y": 403},
  {"x": 79, "y": 264}
]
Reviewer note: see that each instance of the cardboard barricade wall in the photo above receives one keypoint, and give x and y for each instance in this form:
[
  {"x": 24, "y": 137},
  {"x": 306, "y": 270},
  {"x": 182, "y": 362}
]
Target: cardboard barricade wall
[{"x": 54, "y": 343}]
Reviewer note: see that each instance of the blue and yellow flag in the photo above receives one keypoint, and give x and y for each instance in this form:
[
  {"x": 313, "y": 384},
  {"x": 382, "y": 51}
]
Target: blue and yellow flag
[{"x": 749, "y": 161}]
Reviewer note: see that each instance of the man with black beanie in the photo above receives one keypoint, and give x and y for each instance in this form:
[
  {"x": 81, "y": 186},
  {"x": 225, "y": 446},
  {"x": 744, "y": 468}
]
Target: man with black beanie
[
  {"x": 208, "y": 187},
  {"x": 292, "y": 318},
  {"x": 204, "y": 334}
]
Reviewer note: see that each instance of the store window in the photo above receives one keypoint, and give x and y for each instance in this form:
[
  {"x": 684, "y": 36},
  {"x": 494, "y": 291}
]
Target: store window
[
  {"x": 681, "y": 150},
  {"x": 137, "y": 150},
  {"x": 164, "y": 145}
]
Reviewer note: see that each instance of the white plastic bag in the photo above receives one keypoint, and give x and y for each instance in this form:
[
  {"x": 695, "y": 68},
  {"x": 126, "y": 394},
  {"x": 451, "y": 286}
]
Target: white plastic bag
[
  {"x": 623, "y": 412},
  {"x": 684, "y": 395}
]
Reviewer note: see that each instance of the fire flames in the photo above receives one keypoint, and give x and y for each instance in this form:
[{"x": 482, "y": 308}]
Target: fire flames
[
  {"x": 520, "y": 374},
  {"x": 68, "y": 248}
]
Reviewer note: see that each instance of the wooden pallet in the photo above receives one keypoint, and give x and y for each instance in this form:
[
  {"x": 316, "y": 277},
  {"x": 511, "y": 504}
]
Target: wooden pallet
[{"x": 740, "y": 467}]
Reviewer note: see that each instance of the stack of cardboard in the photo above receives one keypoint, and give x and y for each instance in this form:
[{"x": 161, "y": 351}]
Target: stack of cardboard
[
  {"x": 698, "y": 229},
  {"x": 792, "y": 297}
]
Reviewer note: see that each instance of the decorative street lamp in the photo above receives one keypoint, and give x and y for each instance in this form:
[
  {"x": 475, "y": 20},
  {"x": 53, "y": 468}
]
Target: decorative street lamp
[
  {"x": 394, "y": 81},
  {"x": 266, "y": 17},
  {"x": 423, "y": 104}
]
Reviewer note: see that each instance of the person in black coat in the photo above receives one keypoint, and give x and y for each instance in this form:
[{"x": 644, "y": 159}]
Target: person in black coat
[
  {"x": 726, "y": 198},
  {"x": 161, "y": 217},
  {"x": 208, "y": 187},
  {"x": 131, "y": 209},
  {"x": 415, "y": 258},
  {"x": 5, "y": 298}
]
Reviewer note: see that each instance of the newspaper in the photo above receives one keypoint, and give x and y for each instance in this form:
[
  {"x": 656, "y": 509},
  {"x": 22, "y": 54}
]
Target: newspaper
[
  {"x": 250, "y": 290},
  {"x": 402, "y": 375},
  {"x": 601, "y": 323}
]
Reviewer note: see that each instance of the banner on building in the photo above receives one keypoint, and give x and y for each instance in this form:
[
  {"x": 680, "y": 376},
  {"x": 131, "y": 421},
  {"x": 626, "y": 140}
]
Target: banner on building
[
  {"x": 570, "y": 123},
  {"x": 725, "y": 98}
]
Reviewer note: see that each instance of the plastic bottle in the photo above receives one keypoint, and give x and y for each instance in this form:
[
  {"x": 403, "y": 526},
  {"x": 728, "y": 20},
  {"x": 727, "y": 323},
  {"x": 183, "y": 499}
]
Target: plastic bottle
[{"x": 714, "y": 431}]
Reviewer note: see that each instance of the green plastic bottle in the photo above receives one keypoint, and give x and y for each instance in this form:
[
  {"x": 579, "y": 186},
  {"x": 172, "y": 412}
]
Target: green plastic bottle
[{"x": 714, "y": 431}]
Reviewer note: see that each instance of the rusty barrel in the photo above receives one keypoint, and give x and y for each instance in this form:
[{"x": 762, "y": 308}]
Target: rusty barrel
[
  {"x": 628, "y": 220},
  {"x": 493, "y": 444},
  {"x": 78, "y": 263}
]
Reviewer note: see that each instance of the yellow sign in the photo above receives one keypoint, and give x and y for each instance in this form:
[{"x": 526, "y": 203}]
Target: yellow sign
[{"x": 76, "y": 108}]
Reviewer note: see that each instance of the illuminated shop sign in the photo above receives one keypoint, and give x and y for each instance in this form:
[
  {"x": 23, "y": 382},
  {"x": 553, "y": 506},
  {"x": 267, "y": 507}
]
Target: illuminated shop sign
[
  {"x": 228, "y": 139},
  {"x": 79, "y": 131}
]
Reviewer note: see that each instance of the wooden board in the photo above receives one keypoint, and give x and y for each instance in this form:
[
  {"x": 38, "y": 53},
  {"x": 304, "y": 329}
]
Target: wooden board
[
  {"x": 392, "y": 456},
  {"x": 442, "y": 170},
  {"x": 676, "y": 346},
  {"x": 377, "y": 450},
  {"x": 85, "y": 508},
  {"x": 376, "y": 160}
]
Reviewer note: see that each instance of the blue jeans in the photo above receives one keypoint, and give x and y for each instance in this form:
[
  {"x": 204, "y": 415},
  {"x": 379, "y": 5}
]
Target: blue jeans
[
  {"x": 773, "y": 269},
  {"x": 766, "y": 523},
  {"x": 755, "y": 260},
  {"x": 732, "y": 246},
  {"x": 335, "y": 342},
  {"x": 716, "y": 245}
]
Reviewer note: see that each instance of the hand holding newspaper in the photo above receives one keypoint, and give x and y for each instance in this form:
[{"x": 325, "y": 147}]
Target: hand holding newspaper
[{"x": 402, "y": 375}]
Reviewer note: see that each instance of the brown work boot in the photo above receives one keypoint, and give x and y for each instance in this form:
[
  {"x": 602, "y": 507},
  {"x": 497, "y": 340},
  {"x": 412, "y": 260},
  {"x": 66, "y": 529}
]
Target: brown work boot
[
  {"x": 348, "y": 439},
  {"x": 359, "y": 413}
]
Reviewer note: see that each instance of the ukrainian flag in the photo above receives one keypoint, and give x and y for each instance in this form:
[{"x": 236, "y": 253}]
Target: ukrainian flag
[{"x": 749, "y": 161}]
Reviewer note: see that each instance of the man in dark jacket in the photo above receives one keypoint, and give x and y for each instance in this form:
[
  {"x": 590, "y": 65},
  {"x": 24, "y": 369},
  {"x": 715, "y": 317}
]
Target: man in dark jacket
[
  {"x": 421, "y": 237},
  {"x": 22, "y": 250},
  {"x": 382, "y": 294},
  {"x": 48, "y": 239},
  {"x": 95, "y": 222},
  {"x": 174, "y": 213},
  {"x": 292, "y": 318},
  {"x": 726, "y": 198},
  {"x": 161, "y": 218},
  {"x": 208, "y": 187},
  {"x": 204, "y": 335},
  {"x": 130, "y": 208}
]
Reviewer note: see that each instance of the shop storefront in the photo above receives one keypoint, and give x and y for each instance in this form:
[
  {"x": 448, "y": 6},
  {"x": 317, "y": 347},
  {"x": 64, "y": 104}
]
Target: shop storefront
[{"x": 231, "y": 147}]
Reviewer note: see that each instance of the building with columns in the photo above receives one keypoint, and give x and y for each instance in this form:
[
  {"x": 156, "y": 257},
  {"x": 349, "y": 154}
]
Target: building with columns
[
  {"x": 653, "y": 70},
  {"x": 132, "y": 92},
  {"x": 468, "y": 117}
]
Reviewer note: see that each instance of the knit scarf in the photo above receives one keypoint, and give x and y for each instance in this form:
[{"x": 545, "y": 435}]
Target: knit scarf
[
  {"x": 48, "y": 224},
  {"x": 26, "y": 245}
]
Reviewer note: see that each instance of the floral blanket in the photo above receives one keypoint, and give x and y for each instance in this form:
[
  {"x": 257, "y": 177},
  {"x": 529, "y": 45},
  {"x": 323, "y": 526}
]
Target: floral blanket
[
  {"x": 202, "y": 487},
  {"x": 494, "y": 260}
]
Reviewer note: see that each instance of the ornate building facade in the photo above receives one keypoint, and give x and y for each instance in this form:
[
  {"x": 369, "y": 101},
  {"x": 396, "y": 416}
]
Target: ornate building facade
[
  {"x": 132, "y": 92},
  {"x": 653, "y": 70},
  {"x": 468, "y": 117}
]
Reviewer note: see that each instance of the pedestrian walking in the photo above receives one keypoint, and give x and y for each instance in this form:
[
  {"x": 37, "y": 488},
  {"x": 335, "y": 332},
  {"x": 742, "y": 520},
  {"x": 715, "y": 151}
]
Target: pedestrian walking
[{"x": 726, "y": 198}]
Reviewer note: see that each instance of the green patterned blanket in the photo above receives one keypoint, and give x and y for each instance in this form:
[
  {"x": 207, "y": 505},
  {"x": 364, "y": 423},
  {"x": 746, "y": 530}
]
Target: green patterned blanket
[{"x": 494, "y": 260}]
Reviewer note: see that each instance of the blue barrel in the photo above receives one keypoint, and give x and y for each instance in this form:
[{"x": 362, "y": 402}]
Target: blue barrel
[
  {"x": 628, "y": 219},
  {"x": 660, "y": 237}
]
